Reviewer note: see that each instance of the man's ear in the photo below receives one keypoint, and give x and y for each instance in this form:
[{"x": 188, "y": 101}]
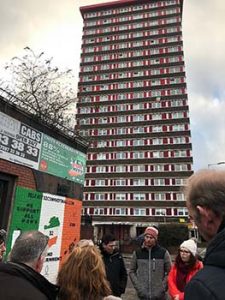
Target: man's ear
[
  {"x": 205, "y": 213},
  {"x": 208, "y": 217},
  {"x": 39, "y": 264}
]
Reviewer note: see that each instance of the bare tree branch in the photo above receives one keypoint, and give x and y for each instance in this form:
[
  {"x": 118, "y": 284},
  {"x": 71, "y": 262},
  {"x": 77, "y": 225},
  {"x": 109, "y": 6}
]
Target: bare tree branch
[{"x": 41, "y": 88}]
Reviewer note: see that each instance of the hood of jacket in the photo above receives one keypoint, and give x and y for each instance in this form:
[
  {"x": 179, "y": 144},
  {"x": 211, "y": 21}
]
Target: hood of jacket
[{"x": 36, "y": 279}]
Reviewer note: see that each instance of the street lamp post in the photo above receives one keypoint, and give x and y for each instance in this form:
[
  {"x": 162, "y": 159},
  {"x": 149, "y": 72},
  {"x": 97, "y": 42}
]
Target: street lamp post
[{"x": 216, "y": 164}]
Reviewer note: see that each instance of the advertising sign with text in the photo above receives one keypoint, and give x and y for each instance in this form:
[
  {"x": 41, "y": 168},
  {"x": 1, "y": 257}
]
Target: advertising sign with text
[{"x": 22, "y": 144}]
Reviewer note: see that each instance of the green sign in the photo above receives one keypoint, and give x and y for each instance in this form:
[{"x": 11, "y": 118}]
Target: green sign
[
  {"x": 25, "y": 214},
  {"x": 61, "y": 160}
]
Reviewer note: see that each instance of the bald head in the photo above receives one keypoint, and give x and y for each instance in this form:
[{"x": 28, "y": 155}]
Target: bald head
[{"x": 28, "y": 247}]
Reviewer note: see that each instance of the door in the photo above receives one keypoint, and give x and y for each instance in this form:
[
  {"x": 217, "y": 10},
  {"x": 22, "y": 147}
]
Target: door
[{"x": 7, "y": 185}]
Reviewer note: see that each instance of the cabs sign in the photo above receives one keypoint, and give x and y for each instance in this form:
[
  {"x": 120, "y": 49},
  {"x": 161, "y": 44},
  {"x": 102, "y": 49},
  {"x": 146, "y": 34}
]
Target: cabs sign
[{"x": 22, "y": 144}]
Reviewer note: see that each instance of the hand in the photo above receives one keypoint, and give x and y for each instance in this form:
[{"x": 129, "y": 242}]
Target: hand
[{"x": 176, "y": 297}]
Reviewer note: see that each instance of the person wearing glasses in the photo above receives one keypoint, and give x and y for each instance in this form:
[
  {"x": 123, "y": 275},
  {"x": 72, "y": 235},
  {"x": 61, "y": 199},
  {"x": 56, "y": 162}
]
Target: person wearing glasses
[
  {"x": 20, "y": 278},
  {"x": 116, "y": 272},
  {"x": 149, "y": 267},
  {"x": 2, "y": 243},
  {"x": 185, "y": 267}
]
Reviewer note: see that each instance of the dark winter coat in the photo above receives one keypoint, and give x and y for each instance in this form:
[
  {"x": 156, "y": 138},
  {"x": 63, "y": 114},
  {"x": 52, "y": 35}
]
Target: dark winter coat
[
  {"x": 115, "y": 271},
  {"x": 20, "y": 282},
  {"x": 209, "y": 283},
  {"x": 148, "y": 272}
]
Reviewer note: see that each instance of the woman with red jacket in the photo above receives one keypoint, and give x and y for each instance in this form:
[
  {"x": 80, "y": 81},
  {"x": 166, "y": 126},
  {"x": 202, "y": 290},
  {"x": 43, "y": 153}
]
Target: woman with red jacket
[{"x": 185, "y": 267}]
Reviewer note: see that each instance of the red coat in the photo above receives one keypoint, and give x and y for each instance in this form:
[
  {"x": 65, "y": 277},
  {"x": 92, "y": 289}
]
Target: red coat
[{"x": 172, "y": 288}]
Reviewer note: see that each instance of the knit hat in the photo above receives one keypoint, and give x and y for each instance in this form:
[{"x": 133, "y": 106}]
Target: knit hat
[
  {"x": 152, "y": 231},
  {"x": 190, "y": 245}
]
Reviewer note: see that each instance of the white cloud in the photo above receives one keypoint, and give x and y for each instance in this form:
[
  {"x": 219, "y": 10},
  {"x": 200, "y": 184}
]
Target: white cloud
[
  {"x": 55, "y": 26},
  {"x": 203, "y": 33}
]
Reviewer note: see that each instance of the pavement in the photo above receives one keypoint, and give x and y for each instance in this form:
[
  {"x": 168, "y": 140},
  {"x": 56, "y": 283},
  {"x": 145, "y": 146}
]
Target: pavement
[{"x": 130, "y": 293}]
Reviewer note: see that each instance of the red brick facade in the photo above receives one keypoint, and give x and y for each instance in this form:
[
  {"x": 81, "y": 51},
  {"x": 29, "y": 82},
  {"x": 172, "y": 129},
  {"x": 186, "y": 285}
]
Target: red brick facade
[{"x": 25, "y": 177}]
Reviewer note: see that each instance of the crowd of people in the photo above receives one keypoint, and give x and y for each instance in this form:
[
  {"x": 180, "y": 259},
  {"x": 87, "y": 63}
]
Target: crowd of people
[{"x": 99, "y": 273}]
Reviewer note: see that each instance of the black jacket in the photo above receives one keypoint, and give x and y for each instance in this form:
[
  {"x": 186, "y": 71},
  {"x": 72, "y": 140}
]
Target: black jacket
[
  {"x": 116, "y": 272},
  {"x": 209, "y": 283},
  {"x": 20, "y": 282}
]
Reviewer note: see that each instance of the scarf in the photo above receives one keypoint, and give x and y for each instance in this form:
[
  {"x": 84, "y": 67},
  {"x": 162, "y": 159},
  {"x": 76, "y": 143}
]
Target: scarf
[{"x": 182, "y": 272}]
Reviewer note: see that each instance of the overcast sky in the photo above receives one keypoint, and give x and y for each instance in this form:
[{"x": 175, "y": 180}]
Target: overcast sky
[{"x": 55, "y": 27}]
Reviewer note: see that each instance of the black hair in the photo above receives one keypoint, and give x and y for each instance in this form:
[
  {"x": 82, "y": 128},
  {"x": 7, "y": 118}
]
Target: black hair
[{"x": 107, "y": 238}]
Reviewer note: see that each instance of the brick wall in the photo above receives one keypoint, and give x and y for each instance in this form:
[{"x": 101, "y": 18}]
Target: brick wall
[{"x": 25, "y": 177}]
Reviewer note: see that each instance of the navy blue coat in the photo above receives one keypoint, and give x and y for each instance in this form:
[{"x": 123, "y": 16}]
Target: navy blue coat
[{"x": 209, "y": 283}]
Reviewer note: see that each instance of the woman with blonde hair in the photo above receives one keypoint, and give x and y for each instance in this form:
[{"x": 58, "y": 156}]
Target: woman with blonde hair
[{"x": 82, "y": 276}]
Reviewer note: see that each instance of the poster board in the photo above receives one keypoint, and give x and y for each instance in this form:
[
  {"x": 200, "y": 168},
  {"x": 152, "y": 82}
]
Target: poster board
[{"x": 56, "y": 216}]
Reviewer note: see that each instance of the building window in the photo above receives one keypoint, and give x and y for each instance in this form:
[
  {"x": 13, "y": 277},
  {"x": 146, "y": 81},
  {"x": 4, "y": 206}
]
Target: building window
[
  {"x": 120, "y": 169},
  {"x": 120, "y": 211},
  {"x": 102, "y": 132},
  {"x": 180, "y": 167},
  {"x": 138, "y": 155},
  {"x": 120, "y": 143},
  {"x": 179, "y": 153},
  {"x": 121, "y": 107},
  {"x": 160, "y": 196},
  {"x": 160, "y": 212},
  {"x": 159, "y": 181},
  {"x": 158, "y": 168},
  {"x": 102, "y": 144},
  {"x": 121, "y": 119},
  {"x": 99, "y": 182},
  {"x": 158, "y": 154},
  {"x": 101, "y": 169},
  {"x": 138, "y": 168},
  {"x": 121, "y": 155},
  {"x": 138, "y": 130},
  {"x": 139, "y": 182},
  {"x": 139, "y": 197},
  {"x": 99, "y": 211},
  {"x": 139, "y": 142},
  {"x": 101, "y": 156},
  {"x": 139, "y": 211},
  {"x": 100, "y": 197},
  {"x": 138, "y": 118},
  {"x": 182, "y": 212},
  {"x": 156, "y": 128},
  {"x": 156, "y": 116},
  {"x": 180, "y": 181},
  {"x": 120, "y": 197},
  {"x": 157, "y": 141},
  {"x": 120, "y": 182},
  {"x": 180, "y": 197},
  {"x": 102, "y": 121}
]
